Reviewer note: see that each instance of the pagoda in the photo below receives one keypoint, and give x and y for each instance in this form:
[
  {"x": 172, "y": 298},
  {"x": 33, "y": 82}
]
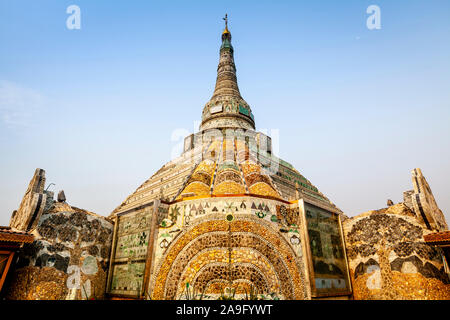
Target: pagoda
[{"x": 227, "y": 218}]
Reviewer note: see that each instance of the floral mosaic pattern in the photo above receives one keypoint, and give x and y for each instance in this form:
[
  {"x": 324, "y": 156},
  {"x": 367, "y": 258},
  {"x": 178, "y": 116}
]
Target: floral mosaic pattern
[{"x": 128, "y": 263}]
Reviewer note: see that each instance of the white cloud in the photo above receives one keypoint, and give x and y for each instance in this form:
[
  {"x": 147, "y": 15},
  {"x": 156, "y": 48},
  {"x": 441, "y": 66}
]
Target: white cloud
[{"x": 18, "y": 105}]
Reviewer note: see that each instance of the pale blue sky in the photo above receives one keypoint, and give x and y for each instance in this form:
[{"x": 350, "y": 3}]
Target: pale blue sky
[{"x": 356, "y": 109}]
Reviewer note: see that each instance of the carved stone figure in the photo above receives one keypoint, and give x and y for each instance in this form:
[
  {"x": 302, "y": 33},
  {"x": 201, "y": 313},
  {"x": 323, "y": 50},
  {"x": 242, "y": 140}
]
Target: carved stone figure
[{"x": 61, "y": 196}]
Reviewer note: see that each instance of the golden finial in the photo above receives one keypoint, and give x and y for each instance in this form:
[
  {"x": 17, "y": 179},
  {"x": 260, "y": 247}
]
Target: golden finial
[{"x": 226, "y": 24}]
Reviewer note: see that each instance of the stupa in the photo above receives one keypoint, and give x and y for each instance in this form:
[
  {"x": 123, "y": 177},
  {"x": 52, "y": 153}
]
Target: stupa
[{"x": 225, "y": 218}]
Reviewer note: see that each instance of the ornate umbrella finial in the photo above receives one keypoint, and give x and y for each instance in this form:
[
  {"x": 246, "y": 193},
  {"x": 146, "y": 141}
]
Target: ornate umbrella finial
[{"x": 226, "y": 25}]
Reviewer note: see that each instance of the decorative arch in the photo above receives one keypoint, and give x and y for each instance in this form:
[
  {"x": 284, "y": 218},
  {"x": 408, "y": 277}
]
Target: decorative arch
[
  {"x": 238, "y": 256},
  {"x": 242, "y": 232},
  {"x": 236, "y": 272}
]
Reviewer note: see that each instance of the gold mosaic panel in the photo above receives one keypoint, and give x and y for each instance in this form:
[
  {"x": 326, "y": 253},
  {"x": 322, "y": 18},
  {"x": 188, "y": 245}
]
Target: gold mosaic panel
[
  {"x": 200, "y": 181},
  {"x": 200, "y": 177},
  {"x": 263, "y": 189},
  {"x": 257, "y": 183},
  {"x": 402, "y": 286},
  {"x": 229, "y": 187},
  {"x": 228, "y": 175},
  {"x": 254, "y": 178},
  {"x": 197, "y": 188},
  {"x": 249, "y": 168},
  {"x": 206, "y": 166}
]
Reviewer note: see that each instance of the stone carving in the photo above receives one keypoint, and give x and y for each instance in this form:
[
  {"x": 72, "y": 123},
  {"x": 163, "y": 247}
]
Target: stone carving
[
  {"x": 61, "y": 196},
  {"x": 67, "y": 260},
  {"x": 389, "y": 260},
  {"x": 32, "y": 205},
  {"x": 425, "y": 205}
]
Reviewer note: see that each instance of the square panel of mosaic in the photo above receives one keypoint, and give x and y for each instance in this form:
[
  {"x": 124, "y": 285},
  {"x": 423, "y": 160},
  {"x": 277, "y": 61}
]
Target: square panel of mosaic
[
  {"x": 132, "y": 234},
  {"x": 330, "y": 274},
  {"x": 127, "y": 278},
  {"x": 283, "y": 250}
]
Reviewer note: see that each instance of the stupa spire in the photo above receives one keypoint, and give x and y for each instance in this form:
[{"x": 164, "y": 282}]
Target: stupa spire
[
  {"x": 226, "y": 82},
  {"x": 227, "y": 108}
]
